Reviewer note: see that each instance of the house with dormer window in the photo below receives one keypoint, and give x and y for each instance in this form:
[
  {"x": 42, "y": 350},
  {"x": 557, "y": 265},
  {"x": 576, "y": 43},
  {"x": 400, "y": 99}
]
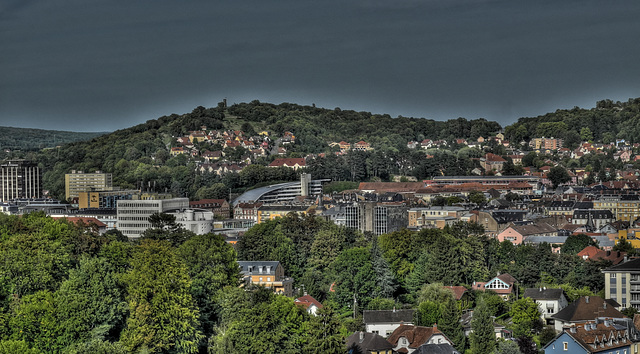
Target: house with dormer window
[
  {"x": 503, "y": 285},
  {"x": 408, "y": 338},
  {"x": 269, "y": 274},
  {"x": 604, "y": 335}
]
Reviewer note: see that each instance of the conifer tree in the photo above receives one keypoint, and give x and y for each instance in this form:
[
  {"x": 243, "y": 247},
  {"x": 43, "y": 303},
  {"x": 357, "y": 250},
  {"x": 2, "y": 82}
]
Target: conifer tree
[{"x": 482, "y": 339}]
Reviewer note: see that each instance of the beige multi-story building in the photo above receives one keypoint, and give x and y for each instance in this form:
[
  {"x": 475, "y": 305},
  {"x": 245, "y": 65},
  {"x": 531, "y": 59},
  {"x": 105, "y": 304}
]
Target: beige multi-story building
[
  {"x": 78, "y": 181},
  {"x": 622, "y": 283},
  {"x": 20, "y": 179},
  {"x": 437, "y": 217},
  {"x": 546, "y": 143},
  {"x": 623, "y": 207}
]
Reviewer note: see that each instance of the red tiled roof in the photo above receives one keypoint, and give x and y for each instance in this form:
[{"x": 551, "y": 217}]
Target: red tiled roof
[
  {"x": 416, "y": 335},
  {"x": 86, "y": 220},
  {"x": 594, "y": 253},
  {"x": 391, "y": 186},
  {"x": 589, "y": 251},
  {"x": 458, "y": 291},
  {"x": 288, "y": 162},
  {"x": 307, "y": 301},
  {"x": 494, "y": 158}
]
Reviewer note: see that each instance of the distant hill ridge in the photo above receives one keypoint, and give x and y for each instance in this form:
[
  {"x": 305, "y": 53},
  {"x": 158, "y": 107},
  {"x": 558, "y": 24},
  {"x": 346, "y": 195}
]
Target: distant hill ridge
[
  {"x": 140, "y": 155},
  {"x": 34, "y": 139}
]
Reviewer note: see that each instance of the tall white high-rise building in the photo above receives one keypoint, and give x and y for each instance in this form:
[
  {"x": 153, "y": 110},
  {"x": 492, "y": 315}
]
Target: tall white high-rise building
[{"x": 20, "y": 179}]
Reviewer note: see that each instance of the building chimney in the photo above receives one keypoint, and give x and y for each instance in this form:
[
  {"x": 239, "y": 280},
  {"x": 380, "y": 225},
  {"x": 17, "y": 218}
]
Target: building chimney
[
  {"x": 586, "y": 299},
  {"x": 361, "y": 336}
]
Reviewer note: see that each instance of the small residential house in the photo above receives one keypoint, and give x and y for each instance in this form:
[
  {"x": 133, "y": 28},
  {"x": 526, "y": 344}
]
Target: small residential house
[
  {"x": 431, "y": 348},
  {"x": 407, "y": 338},
  {"x": 462, "y": 296},
  {"x": 599, "y": 336},
  {"x": 517, "y": 234},
  {"x": 549, "y": 301},
  {"x": 361, "y": 146},
  {"x": 219, "y": 207},
  {"x": 269, "y": 274},
  {"x": 368, "y": 343},
  {"x": 177, "y": 151},
  {"x": 292, "y": 162},
  {"x": 384, "y": 322},
  {"x": 309, "y": 303},
  {"x": 585, "y": 309},
  {"x": 92, "y": 222},
  {"x": 502, "y": 284},
  {"x": 492, "y": 162},
  {"x": 596, "y": 254},
  {"x": 495, "y": 221}
]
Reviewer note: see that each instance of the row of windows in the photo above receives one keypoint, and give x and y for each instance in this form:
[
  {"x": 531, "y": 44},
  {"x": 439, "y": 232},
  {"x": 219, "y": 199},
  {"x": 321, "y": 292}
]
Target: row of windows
[
  {"x": 139, "y": 205},
  {"x": 134, "y": 225},
  {"x": 131, "y": 218},
  {"x": 136, "y": 211}
]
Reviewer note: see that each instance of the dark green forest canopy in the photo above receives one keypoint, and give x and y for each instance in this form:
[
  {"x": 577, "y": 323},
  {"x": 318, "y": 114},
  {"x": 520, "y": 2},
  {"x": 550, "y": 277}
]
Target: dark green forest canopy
[
  {"x": 64, "y": 288},
  {"x": 35, "y": 139},
  {"x": 606, "y": 122}
]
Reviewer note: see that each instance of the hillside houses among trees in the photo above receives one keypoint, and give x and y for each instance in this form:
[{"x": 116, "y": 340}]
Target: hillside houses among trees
[{"x": 482, "y": 235}]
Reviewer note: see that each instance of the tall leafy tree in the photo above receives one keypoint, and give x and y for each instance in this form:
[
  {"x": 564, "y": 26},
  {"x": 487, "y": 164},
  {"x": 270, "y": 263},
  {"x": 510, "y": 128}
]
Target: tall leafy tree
[
  {"x": 354, "y": 276},
  {"x": 385, "y": 281},
  {"x": 212, "y": 265},
  {"x": 507, "y": 347},
  {"x": 451, "y": 326},
  {"x": 34, "y": 321},
  {"x": 482, "y": 339},
  {"x": 90, "y": 304},
  {"x": 33, "y": 261},
  {"x": 263, "y": 323},
  {"x": 163, "y": 315},
  {"x": 525, "y": 316},
  {"x": 576, "y": 243},
  {"x": 326, "y": 334},
  {"x": 558, "y": 175}
]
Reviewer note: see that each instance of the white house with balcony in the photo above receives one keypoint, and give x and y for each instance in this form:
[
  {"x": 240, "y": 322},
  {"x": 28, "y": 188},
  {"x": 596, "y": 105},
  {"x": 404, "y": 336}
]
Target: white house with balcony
[{"x": 550, "y": 301}]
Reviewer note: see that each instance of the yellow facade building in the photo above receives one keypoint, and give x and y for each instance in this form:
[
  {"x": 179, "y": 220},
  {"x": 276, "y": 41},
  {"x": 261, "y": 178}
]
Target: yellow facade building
[
  {"x": 78, "y": 181},
  {"x": 623, "y": 207}
]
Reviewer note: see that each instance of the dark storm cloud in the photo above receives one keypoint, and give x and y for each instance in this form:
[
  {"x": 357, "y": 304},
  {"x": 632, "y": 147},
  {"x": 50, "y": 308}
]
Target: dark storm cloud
[{"x": 104, "y": 65}]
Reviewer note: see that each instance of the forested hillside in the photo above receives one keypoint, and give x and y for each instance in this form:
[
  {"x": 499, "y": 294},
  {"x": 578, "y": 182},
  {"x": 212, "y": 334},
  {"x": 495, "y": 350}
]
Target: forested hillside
[
  {"x": 605, "y": 123},
  {"x": 139, "y": 157},
  {"x": 315, "y": 127},
  {"x": 35, "y": 139}
]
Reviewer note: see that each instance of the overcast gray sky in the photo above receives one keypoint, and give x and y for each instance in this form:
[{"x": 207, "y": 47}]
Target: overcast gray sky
[{"x": 103, "y": 65}]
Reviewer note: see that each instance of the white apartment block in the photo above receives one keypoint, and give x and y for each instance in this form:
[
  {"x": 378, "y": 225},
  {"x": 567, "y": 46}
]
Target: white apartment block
[{"x": 133, "y": 215}]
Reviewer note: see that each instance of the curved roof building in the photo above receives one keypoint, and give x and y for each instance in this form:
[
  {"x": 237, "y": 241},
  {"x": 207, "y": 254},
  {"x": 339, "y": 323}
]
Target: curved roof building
[{"x": 283, "y": 192}]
